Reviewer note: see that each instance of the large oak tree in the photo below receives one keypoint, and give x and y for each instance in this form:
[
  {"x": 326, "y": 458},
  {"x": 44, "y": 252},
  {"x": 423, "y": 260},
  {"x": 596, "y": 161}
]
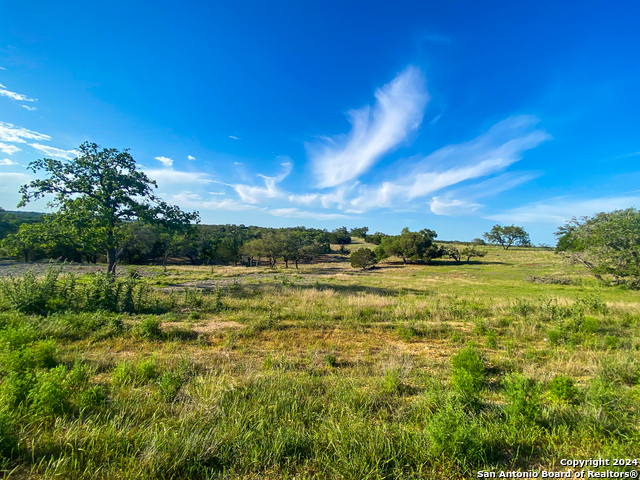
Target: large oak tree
[{"x": 98, "y": 191}]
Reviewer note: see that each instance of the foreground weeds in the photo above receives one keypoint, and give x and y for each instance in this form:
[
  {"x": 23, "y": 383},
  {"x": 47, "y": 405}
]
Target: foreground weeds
[{"x": 331, "y": 378}]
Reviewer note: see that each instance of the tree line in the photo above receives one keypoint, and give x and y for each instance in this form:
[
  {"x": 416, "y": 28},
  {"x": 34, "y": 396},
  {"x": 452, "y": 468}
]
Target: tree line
[{"x": 107, "y": 209}]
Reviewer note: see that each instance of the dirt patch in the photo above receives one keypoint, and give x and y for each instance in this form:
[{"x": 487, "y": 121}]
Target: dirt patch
[{"x": 203, "y": 328}]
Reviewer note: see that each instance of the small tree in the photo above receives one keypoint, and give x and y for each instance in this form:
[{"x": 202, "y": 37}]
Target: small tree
[
  {"x": 507, "y": 236},
  {"x": 363, "y": 258},
  {"x": 360, "y": 232},
  {"x": 103, "y": 187},
  {"x": 452, "y": 252},
  {"x": 472, "y": 251}
]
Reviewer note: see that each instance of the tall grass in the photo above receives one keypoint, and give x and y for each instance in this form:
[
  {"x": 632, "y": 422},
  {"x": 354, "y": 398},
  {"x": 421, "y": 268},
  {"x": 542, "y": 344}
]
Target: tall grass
[{"x": 104, "y": 377}]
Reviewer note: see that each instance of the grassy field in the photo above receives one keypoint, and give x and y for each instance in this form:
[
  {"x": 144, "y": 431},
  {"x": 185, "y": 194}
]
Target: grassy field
[{"x": 402, "y": 371}]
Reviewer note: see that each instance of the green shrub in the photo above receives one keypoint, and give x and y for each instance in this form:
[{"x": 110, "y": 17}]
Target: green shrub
[
  {"x": 50, "y": 396},
  {"x": 523, "y": 395},
  {"x": 330, "y": 359},
  {"x": 92, "y": 398},
  {"x": 29, "y": 294},
  {"x": 590, "y": 324},
  {"x": 363, "y": 258},
  {"x": 45, "y": 353},
  {"x": 149, "y": 327},
  {"x": 15, "y": 388},
  {"x": 147, "y": 370},
  {"x": 453, "y": 436},
  {"x": 492, "y": 339},
  {"x": 124, "y": 374},
  {"x": 216, "y": 304},
  {"x": 392, "y": 381},
  {"x": 563, "y": 390},
  {"x": 193, "y": 298},
  {"x": 554, "y": 335},
  {"x": 467, "y": 373},
  {"x": 79, "y": 375}
]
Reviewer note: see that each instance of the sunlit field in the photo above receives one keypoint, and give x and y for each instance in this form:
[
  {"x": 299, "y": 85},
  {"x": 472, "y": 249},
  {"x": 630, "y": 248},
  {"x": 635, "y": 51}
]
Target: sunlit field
[{"x": 325, "y": 371}]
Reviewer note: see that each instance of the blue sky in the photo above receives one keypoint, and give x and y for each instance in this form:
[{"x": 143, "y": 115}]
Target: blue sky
[{"x": 452, "y": 116}]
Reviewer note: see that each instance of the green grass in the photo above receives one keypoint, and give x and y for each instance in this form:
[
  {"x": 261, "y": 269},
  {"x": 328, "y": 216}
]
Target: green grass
[{"x": 416, "y": 371}]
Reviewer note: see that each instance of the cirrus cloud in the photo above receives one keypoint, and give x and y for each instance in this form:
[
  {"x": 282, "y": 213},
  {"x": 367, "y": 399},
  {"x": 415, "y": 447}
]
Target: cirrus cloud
[{"x": 397, "y": 113}]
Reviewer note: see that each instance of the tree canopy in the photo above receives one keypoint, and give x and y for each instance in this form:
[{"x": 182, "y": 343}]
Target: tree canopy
[
  {"x": 605, "y": 243},
  {"x": 507, "y": 236},
  {"x": 363, "y": 258},
  {"x": 410, "y": 246},
  {"x": 98, "y": 192}
]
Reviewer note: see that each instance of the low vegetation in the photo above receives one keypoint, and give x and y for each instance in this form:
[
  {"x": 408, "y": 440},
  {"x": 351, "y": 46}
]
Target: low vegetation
[{"x": 404, "y": 371}]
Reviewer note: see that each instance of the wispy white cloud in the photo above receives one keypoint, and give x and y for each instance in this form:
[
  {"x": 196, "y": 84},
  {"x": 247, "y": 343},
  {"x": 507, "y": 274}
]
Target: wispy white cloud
[
  {"x": 398, "y": 112},
  {"x": 13, "y": 95},
  {"x": 167, "y": 162},
  {"x": 6, "y": 162},
  {"x": 503, "y": 145},
  {"x": 13, "y": 178},
  {"x": 452, "y": 207},
  {"x": 169, "y": 176},
  {"x": 189, "y": 157},
  {"x": 233, "y": 137},
  {"x": 295, "y": 213},
  {"x": 31, "y": 109},
  {"x": 306, "y": 199},
  {"x": 55, "y": 152},
  {"x": 11, "y": 133},
  {"x": 252, "y": 194},
  {"x": 189, "y": 199},
  {"x": 9, "y": 149},
  {"x": 561, "y": 209}
]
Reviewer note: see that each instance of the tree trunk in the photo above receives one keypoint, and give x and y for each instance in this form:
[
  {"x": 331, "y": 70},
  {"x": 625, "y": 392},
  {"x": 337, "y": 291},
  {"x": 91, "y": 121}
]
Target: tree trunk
[
  {"x": 296, "y": 263},
  {"x": 111, "y": 260}
]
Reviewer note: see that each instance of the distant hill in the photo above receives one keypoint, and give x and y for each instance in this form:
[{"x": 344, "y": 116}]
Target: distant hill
[{"x": 10, "y": 221}]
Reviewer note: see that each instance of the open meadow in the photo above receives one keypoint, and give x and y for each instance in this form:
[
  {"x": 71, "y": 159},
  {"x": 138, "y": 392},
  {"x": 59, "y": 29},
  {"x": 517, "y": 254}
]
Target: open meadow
[{"x": 401, "y": 371}]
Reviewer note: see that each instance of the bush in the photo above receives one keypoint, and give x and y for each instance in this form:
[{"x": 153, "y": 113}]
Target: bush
[
  {"x": 42, "y": 296},
  {"x": 363, "y": 258},
  {"x": 92, "y": 398},
  {"x": 147, "y": 370},
  {"x": 523, "y": 395},
  {"x": 50, "y": 395},
  {"x": 149, "y": 327},
  {"x": 124, "y": 374},
  {"x": 392, "y": 382},
  {"x": 45, "y": 353},
  {"x": 453, "y": 436},
  {"x": 193, "y": 298},
  {"x": 29, "y": 294},
  {"x": 330, "y": 360},
  {"x": 15, "y": 388},
  {"x": 563, "y": 390},
  {"x": 467, "y": 372}
]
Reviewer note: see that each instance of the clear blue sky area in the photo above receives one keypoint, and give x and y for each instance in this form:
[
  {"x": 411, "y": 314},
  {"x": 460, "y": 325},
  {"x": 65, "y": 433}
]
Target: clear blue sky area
[{"x": 452, "y": 116}]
